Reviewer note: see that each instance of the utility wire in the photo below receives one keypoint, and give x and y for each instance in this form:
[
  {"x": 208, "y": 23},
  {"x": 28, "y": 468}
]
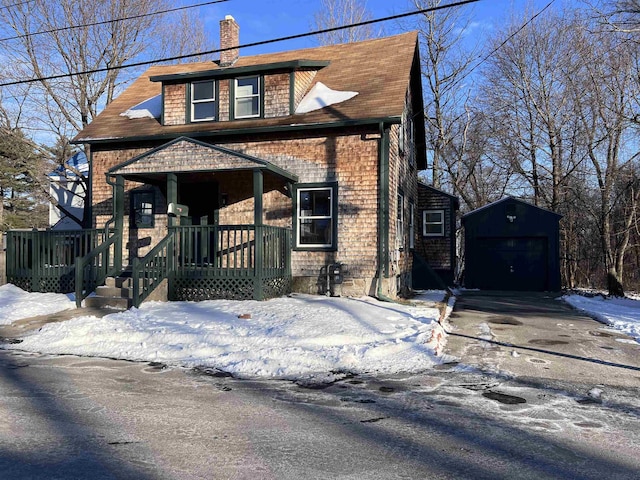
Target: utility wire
[
  {"x": 506, "y": 40},
  {"x": 103, "y": 22},
  {"x": 6, "y": 7},
  {"x": 247, "y": 45}
]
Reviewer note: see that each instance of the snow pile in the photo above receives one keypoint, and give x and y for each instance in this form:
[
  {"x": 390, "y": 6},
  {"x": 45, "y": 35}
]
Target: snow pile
[
  {"x": 621, "y": 313},
  {"x": 16, "y": 304},
  {"x": 321, "y": 96},
  {"x": 300, "y": 336},
  {"x": 150, "y": 108}
]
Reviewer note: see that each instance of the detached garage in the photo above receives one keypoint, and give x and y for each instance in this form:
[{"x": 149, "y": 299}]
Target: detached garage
[{"x": 512, "y": 245}]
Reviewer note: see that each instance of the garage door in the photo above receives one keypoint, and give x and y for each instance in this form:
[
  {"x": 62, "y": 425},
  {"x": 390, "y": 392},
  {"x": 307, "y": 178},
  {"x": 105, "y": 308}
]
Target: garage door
[{"x": 512, "y": 264}]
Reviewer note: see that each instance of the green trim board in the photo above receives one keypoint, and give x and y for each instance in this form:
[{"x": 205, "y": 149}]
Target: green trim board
[
  {"x": 236, "y": 71},
  {"x": 333, "y": 185},
  {"x": 228, "y": 132}
]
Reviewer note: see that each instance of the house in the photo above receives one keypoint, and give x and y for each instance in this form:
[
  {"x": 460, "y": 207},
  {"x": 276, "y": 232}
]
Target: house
[
  {"x": 253, "y": 176},
  {"x": 512, "y": 245},
  {"x": 68, "y": 190},
  {"x": 434, "y": 255}
]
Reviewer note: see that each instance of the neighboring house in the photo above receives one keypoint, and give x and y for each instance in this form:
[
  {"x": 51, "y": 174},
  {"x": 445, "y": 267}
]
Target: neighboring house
[
  {"x": 249, "y": 177},
  {"x": 434, "y": 264},
  {"x": 69, "y": 192},
  {"x": 512, "y": 245}
]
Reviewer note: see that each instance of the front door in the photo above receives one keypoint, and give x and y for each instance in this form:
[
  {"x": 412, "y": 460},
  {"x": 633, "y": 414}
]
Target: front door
[{"x": 203, "y": 202}]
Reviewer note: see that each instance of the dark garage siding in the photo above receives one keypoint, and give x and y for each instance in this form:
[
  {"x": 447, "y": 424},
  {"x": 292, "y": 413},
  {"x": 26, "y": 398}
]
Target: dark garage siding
[{"x": 512, "y": 245}]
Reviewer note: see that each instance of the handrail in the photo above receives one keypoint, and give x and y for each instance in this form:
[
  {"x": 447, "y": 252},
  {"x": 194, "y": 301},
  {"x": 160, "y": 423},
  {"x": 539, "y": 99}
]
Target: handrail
[
  {"x": 153, "y": 268},
  {"x": 101, "y": 270}
]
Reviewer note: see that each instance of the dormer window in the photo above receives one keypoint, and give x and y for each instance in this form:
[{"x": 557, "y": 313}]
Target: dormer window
[
  {"x": 247, "y": 97},
  {"x": 203, "y": 100}
]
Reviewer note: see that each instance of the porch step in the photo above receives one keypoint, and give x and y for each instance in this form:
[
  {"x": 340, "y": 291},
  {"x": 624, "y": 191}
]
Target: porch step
[{"x": 116, "y": 293}]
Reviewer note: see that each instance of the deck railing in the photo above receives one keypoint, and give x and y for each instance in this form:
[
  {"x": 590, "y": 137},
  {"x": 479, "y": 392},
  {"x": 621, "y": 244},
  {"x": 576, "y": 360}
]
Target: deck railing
[
  {"x": 92, "y": 269},
  {"x": 230, "y": 261},
  {"x": 44, "y": 260},
  {"x": 148, "y": 272}
]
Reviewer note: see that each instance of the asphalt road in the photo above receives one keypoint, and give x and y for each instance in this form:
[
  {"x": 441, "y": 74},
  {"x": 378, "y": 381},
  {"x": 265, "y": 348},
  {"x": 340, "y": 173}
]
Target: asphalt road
[{"x": 70, "y": 417}]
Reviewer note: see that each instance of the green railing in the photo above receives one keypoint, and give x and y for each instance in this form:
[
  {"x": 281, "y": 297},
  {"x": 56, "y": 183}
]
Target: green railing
[
  {"x": 148, "y": 272},
  {"x": 92, "y": 269},
  {"x": 44, "y": 260},
  {"x": 230, "y": 261}
]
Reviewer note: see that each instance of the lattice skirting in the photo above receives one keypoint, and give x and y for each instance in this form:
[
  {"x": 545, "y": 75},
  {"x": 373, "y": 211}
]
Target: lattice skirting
[
  {"x": 62, "y": 284},
  {"x": 198, "y": 289}
]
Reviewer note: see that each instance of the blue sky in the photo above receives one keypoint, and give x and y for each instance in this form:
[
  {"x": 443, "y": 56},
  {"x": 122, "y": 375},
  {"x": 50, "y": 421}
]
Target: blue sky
[{"x": 266, "y": 19}]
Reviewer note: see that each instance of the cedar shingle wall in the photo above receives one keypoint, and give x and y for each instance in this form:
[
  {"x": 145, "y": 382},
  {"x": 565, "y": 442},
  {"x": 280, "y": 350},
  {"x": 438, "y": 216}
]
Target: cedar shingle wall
[
  {"x": 435, "y": 250},
  {"x": 276, "y": 95},
  {"x": 174, "y": 104},
  {"x": 223, "y": 100}
]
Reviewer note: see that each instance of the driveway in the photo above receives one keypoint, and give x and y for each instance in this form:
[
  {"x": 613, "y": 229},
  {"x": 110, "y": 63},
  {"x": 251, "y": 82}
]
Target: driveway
[{"x": 538, "y": 335}]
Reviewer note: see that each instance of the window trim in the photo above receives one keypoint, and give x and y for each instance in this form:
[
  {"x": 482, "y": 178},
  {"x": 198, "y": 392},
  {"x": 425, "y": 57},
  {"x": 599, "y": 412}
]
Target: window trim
[
  {"x": 259, "y": 94},
  {"x": 400, "y": 221},
  {"x": 441, "y": 223},
  {"x": 333, "y": 217},
  {"x": 412, "y": 225},
  {"x": 213, "y": 100},
  {"x": 132, "y": 212}
]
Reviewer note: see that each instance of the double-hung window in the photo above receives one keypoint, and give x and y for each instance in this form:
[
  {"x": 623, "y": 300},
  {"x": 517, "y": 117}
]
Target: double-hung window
[
  {"x": 247, "y": 97},
  {"x": 412, "y": 230},
  {"x": 315, "y": 216},
  {"x": 433, "y": 223},
  {"x": 203, "y": 101}
]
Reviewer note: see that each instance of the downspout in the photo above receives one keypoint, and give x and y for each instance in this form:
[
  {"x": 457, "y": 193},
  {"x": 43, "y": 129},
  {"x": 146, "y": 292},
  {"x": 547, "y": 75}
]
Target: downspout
[{"x": 383, "y": 215}]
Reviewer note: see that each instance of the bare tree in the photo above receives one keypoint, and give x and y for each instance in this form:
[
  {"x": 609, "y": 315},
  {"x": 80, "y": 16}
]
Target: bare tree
[
  {"x": 337, "y": 13},
  {"x": 73, "y": 39}
]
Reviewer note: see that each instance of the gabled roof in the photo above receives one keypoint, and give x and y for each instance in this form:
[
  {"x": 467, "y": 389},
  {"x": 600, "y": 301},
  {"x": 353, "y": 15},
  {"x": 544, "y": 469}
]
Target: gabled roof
[
  {"x": 455, "y": 199},
  {"x": 505, "y": 199},
  {"x": 77, "y": 162},
  {"x": 199, "y": 156},
  {"x": 379, "y": 70}
]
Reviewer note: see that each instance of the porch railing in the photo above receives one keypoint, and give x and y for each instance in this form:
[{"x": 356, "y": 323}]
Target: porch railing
[
  {"x": 230, "y": 261},
  {"x": 91, "y": 270},
  {"x": 44, "y": 260},
  {"x": 148, "y": 272}
]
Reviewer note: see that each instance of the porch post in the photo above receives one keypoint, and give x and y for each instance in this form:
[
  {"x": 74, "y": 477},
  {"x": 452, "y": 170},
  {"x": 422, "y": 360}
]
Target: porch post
[
  {"x": 172, "y": 194},
  {"x": 118, "y": 211},
  {"x": 258, "y": 189}
]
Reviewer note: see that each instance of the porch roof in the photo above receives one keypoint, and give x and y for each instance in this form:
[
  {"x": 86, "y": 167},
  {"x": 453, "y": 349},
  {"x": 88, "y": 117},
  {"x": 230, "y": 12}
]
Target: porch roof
[{"x": 186, "y": 155}]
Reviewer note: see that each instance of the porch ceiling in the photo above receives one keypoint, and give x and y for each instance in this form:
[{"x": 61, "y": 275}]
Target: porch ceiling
[{"x": 186, "y": 155}]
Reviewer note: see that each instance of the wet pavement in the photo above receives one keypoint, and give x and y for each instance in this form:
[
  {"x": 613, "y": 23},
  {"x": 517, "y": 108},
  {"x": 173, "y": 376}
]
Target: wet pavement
[{"x": 64, "y": 417}]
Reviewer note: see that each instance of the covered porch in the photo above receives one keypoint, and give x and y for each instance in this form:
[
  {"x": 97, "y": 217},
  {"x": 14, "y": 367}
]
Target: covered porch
[{"x": 186, "y": 244}]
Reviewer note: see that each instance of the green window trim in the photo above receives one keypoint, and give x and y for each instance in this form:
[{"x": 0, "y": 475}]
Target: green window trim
[
  {"x": 316, "y": 223},
  {"x": 433, "y": 223},
  {"x": 142, "y": 211},
  {"x": 214, "y": 99},
  {"x": 232, "y": 98}
]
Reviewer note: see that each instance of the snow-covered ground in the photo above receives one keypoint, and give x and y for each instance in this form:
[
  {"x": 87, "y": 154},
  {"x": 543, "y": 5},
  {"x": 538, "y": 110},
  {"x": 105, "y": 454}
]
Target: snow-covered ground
[
  {"x": 296, "y": 337},
  {"x": 15, "y": 303},
  {"x": 620, "y": 313}
]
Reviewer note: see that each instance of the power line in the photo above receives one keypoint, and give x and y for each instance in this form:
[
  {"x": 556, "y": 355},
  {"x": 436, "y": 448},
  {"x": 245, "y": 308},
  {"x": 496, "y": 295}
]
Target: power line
[
  {"x": 247, "y": 45},
  {"x": 6, "y": 7},
  {"x": 504, "y": 42},
  {"x": 103, "y": 22}
]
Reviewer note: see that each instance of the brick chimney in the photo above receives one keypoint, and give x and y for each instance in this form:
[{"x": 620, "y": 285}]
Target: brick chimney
[{"x": 229, "y": 37}]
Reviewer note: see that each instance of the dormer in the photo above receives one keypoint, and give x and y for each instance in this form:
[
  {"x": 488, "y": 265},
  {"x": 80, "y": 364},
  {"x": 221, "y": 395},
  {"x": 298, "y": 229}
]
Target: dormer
[{"x": 232, "y": 91}]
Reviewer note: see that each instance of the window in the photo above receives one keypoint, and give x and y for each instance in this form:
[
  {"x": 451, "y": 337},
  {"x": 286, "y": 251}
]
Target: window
[
  {"x": 400, "y": 222},
  {"x": 203, "y": 101},
  {"x": 142, "y": 207},
  {"x": 412, "y": 230},
  {"x": 433, "y": 223},
  {"x": 247, "y": 97},
  {"x": 315, "y": 216}
]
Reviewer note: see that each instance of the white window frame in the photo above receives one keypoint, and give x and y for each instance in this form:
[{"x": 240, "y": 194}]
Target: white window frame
[
  {"x": 253, "y": 95},
  {"x": 425, "y": 223},
  {"x": 300, "y": 217},
  {"x": 400, "y": 222},
  {"x": 412, "y": 226},
  {"x": 203, "y": 100}
]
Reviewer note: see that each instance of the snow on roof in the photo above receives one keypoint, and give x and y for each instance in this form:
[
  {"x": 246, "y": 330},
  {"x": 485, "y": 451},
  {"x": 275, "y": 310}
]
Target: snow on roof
[
  {"x": 77, "y": 162},
  {"x": 321, "y": 96},
  {"x": 150, "y": 108}
]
